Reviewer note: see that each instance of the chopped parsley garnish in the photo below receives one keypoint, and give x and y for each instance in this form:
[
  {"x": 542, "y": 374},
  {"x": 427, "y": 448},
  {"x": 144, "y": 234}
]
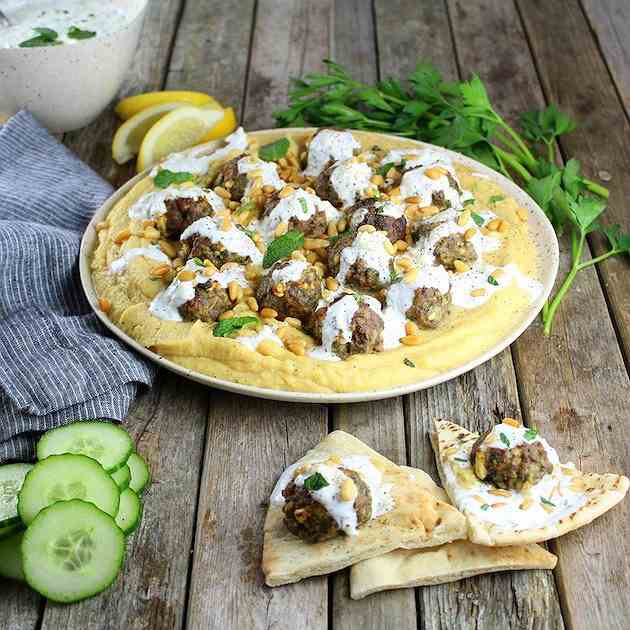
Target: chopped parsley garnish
[
  {"x": 469, "y": 202},
  {"x": 496, "y": 198},
  {"x": 304, "y": 205},
  {"x": 44, "y": 37},
  {"x": 282, "y": 247},
  {"x": 394, "y": 276},
  {"x": 198, "y": 261},
  {"x": 531, "y": 434},
  {"x": 504, "y": 439},
  {"x": 409, "y": 363},
  {"x": 493, "y": 281},
  {"x": 485, "y": 507},
  {"x": 477, "y": 218},
  {"x": 315, "y": 482},
  {"x": 165, "y": 178},
  {"x": 547, "y": 502},
  {"x": 274, "y": 150},
  {"x": 76, "y": 33},
  {"x": 461, "y": 459},
  {"x": 226, "y": 326}
]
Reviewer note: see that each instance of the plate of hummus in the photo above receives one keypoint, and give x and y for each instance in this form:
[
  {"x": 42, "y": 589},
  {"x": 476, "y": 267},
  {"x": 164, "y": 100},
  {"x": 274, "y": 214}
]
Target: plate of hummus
[{"x": 319, "y": 265}]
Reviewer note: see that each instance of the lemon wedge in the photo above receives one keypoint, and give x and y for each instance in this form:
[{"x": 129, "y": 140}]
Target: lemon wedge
[
  {"x": 227, "y": 125},
  {"x": 178, "y": 130},
  {"x": 131, "y": 105},
  {"x": 129, "y": 135}
]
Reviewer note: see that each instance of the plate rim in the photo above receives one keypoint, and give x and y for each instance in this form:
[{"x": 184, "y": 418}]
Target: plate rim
[{"x": 89, "y": 239}]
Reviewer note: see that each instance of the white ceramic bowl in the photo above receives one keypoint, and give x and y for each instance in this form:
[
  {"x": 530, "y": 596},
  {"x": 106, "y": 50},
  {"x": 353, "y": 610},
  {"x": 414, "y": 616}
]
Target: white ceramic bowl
[
  {"x": 66, "y": 87},
  {"x": 542, "y": 234}
]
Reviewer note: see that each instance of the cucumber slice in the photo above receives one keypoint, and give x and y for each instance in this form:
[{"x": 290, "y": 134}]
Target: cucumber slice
[
  {"x": 11, "y": 557},
  {"x": 129, "y": 512},
  {"x": 71, "y": 551},
  {"x": 9, "y": 530},
  {"x": 122, "y": 477},
  {"x": 11, "y": 479},
  {"x": 140, "y": 475},
  {"x": 109, "y": 444},
  {"x": 65, "y": 477}
]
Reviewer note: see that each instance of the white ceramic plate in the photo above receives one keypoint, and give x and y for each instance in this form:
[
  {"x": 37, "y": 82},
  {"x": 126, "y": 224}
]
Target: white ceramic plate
[{"x": 542, "y": 234}]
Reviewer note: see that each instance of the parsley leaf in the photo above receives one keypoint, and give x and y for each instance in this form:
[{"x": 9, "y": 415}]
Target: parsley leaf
[
  {"x": 76, "y": 33},
  {"x": 273, "y": 151},
  {"x": 282, "y": 247},
  {"x": 504, "y": 439},
  {"x": 409, "y": 363},
  {"x": 315, "y": 482},
  {"x": 493, "y": 281},
  {"x": 226, "y": 326},
  {"x": 531, "y": 434},
  {"x": 478, "y": 219},
  {"x": 165, "y": 178}
]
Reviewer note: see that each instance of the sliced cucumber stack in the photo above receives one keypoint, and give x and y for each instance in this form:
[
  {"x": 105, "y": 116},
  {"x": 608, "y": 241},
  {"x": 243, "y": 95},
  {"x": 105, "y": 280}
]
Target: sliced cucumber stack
[
  {"x": 66, "y": 477},
  {"x": 129, "y": 512},
  {"x": 71, "y": 551},
  {"x": 11, "y": 480},
  {"x": 122, "y": 477},
  {"x": 109, "y": 444},
  {"x": 11, "y": 557},
  {"x": 140, "y": 475}
]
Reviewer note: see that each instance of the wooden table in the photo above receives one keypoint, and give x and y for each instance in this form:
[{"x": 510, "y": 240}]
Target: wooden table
[{"x": 195, "y": 561}]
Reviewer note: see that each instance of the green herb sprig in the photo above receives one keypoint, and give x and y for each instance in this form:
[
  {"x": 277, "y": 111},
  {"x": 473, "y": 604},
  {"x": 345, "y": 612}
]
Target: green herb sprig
[
  {"x": 165, "y": 178},
  {"x": 273, "y": 151},
  {"x": 282, "y": 247},
  {"x": 315, "y": 482},
  {"x": 226, "y": 326},
  {"x": 460, "y": 116},
  {"x": 74, "y": 32},
  {"x": 45, "y": 37}
]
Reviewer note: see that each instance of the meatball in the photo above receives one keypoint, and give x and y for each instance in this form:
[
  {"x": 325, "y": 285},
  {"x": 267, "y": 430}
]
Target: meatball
[
  {"x": 290, "y": 298},
  {"x": 510, "y": 468},
  {"x": 182, "y": 212},
  {"x": 361, "y": 276},
  {"x": 324, "y": 188},
  {"x": 366, "y": 327},
  {"x": 316, "y": 226},
  {"x": 203, "y": 248},
  {"x": 309, "y": 520},
  {"x": 429, "y": 307},
  {"x": 210, "y": 301},
  {"x": 229, "y": 173},
  {"x": 333, "y": 252},
  {"x": 454, "y": 247},
  {"x": 395, "y": 227}
]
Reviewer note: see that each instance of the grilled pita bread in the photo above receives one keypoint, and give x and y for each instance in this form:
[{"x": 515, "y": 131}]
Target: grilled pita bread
[
  {"x": 418, "y": 519},
  {"x": 405, "y": 568},
  {"x": 581, "y": 497}
]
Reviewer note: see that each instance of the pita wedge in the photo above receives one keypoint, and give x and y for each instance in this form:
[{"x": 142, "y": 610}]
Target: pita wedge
[
  {"x": 559, "y": 502},
  {"x": 405, "y": 568},
  {"x": 404, "y": 513}
]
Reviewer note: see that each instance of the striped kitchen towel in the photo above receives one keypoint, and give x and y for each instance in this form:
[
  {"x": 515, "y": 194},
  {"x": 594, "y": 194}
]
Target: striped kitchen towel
[{"x": 57, "y": 363}]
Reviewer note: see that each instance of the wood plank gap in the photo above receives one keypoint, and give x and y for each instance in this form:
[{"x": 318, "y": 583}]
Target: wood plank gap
[{"x": 243, "y": 105}]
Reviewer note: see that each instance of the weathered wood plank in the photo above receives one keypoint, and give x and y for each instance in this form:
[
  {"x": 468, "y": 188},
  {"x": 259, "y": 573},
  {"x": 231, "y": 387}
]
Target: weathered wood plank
[
  {"x": 147, "y": 73},
  {"x": 515, "y": 600},
  {"x": 20, "y": 607},
  {"x": 610, "y": 22},
  {"x": 249, "y": 443},
  {"x": 168, "y": 426}
]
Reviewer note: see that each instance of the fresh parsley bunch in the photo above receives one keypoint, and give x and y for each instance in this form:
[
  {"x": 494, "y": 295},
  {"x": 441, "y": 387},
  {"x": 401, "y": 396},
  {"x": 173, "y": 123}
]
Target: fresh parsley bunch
[{"x": 460, "y": 116}]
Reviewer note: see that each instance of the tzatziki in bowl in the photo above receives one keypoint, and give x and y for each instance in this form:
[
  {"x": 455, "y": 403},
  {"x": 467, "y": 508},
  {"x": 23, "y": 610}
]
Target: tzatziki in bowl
[{"x": 64, "y": 60}]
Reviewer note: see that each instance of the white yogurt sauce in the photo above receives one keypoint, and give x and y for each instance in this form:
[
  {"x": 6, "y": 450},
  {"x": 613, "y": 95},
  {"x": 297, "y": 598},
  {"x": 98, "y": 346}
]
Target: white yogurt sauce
[
  {"x": 350, "y": 179},
  {"x": 421, "y": 157},
  {"x": 233, "y": 239},
  {"x": 300, "y": 205},
  {"x": 386, "y": 208},
  {"x": 152, "y": 251},
  {"x": 327, "y": 145},
  {"x": 100, "y": 16},
  {"x": 252, "y": 342},
  {"x": 401, "y": 294},
  {"x": 268, "y": 173},
  {"x": 152, "y": 205},
  {"x": 370, "y": 248},
  {"x": 289, "y": 273},
  {"x": 504, "y": 512},
  {"x": 198, "y": 165},
  {"x": 415, "y": 183},
  {"x": 232, "y": 274}
]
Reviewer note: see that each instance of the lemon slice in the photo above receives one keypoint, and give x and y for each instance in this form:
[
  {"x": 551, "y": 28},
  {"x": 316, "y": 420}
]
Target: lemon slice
[
  {"x": 178, "y": 130},
  {"x": 227, "y": 125},
  {"x": 129, "y": 136},
  {"x": 131, "y": 105}
]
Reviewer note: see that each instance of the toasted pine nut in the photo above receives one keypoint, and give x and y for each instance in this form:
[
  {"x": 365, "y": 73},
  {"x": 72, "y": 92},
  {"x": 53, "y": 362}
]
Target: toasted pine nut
[
  {"x": 320, "y": 268},
  {"x": 401, "y": 246},
  {"x": 268, "y": 313},
  {"x": 122, "y": 236},
  {"x": 311, "y": 256},
  {"x": 367, "y": 228},
  {"x": 241, "y": 308},
  {"x": 412, "y": 329},
  {"x": 332, "y": 229},
  {"x": 460, "y": 267},
  {"x": 478, "y": 292},
  {"x": 286, "y": 191},
  {"x": 513, "y": 422},
  {"x": 389, "y": 248},
  {"x": 226, "y": 315},
  {"x": 405, "y": 263},
  {"x": 377, "y": 180},
  {"x": 101, "y": 225},
  {"x": 229, "y": 184},
  {"x": 279, "y": 289},
  {"x": 493, "y": 225},
  {"x": 413, "y": 199},
  {"x": 411, "y": 340},
  {"x": 168, "y": 249},
  {"x": 160, "y": 271},
  {"x": 293, "y": 322},
  {"x": 267, "y": 347},
  {"x": 186, "y": 275},
  {"x": 268, "y": 190},
  {"x": 248, "y": 291},
  {"x": 435, "y": 172},
  {"x": 428, "y": 211},
  {"x": 104, "y": 304},
  {"x": 331, "y": 284},
  {"x": 341, "y": 225},
  {"x": 297, "y": 347},
  {"x": 410, "y": 276},
  {"x": 348, "y": 490},
  {"x": 463, "y": 218},
  {"x": 222, "y": 192},
  {"x": 252, "y": 303},
  {"x": 411, "y": 212},
  {"x": 281, "y": 229},
  {"x": 315, "y": 243},
  {"x": 151, "y": 233},
  {"x": 234, "y": 290},
  {"x": 469, "y": 233},
  {"x": 498, "y": 492},
  {"x": 395, "y": 192},
  {"x": 297, "y": 255}
]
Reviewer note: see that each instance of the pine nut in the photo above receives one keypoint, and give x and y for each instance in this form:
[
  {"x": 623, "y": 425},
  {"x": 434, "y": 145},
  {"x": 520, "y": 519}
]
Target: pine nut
[
  {"x": 296, "y": 347},
  {"x": 460, "y": 267},
  {"x": 222, "y": 192},
  {"x": 105, "y": 305},
  {"x": 332, "y": 229},
  {"x": 405, "y": 263},
  {"x": 160, "y": 271},
  {"x": 503, "y": 227},
  {"x": 414, "y": 199},
  {"x": 395, "y": 192},
  {"x": 320, "y": 268},
  {"x": 281, "y": 229},
  {"x": 252, "y": 303},
  {"x": 102, "y": 225},
  {"x": 411, "y": 212},
  {"x": 122, "y": 236},
  {"x": 279, "y": 289},
  {"x": 267, "y": 347},
  {"x": 186, "y": 275},
  {"x": 248, "y": 291},
  {"x": 268, "y": 190},
  {"x": 428, "y": 211},
  {"x": 377, "y": 180},
  {"x": 341, "y": 225},
  {"x": 469, "y": 233},
  {"x": 411, "y": 276},
  {"x": 268, "y": 313},
  {"x": 411, "y": 340},
  {"x": 229, "y": 184},
  {"x": 435, "y": 172},
  {"x": 498, "y": 492},
  {"x": 293, "y": 322},
  {"x": 493, "y": 225},
  {"x": 168, "y": 249},
  {"x": 412, "y": 329},
  {"x": 401, "y": 246},
  {"x": 463, "y": 218},
  {"x": 315, "y": 243},
  {"x": 241, "y": 308},
  {"x": 234, "y": 290},
  {"x": 331, "y": 284},
  {"x": 367, "y": 228},
  {"x": 389, "y": 248},
  {"x": 286, "y": 192},
  {"x": 348, "y": 490},
  {"x": 513, "y": 422},
  {"x": 297, "y": 255},
  {"x": 151, "y": 233},
  {"x": 526, "y": 503}
]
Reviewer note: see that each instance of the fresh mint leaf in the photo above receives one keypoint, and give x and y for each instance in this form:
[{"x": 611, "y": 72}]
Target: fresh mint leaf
[
  {"x": 531, "y": 434},
  {"x": 76, "y": 33},
  {"x": 504, "y": 439},
  {"x": 165, "y": 178},
  {"x": 226, "y": 326},
  {"x": 409, "y": 363},
  {"x": 273, "y": 151},
  {"x": 47, "y": 33},
  {"x": 496, "y": 199},
  {"x": 468, "y": 202},
  {"x": 478, "y": 219},
  {"x": 315, "y": 482},
  {"x": 282, "y": 247},
  {"x": 493, "y": 281},
  {"x": 394, "y": 276},
  {"x": 383, "y": 170}
]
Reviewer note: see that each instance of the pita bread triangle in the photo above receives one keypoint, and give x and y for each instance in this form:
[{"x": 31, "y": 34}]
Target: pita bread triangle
[
  {"x": 405, "y": 568},
  {"x": 559, "y": 503},
  {"x": 417, "y": 519}
]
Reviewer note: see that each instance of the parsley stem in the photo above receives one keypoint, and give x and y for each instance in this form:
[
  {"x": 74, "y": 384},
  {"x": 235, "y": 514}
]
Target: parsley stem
[
  {"x": 529, "y": 159},
  {"x": 596, "y": 189},
  {"x": 598, "y": 259},
  {"x": 513, "y": 161},
  {"x": 551, "y": 152}
]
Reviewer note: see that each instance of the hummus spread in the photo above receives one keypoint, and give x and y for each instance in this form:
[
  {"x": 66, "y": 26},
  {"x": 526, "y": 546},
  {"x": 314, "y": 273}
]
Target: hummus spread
[{"x": 390, "y": 262}]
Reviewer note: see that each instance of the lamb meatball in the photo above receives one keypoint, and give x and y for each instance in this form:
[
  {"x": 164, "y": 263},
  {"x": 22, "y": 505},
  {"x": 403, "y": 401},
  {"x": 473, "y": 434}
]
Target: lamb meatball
[
  {"x": 368, "y": 212},
  {"x": 229, "y": 172},
  {"x": 293, "y": 288},
  {"x": 454, "y": 247},
  {"x": 333, "y": 252},
  {"x": 362, "y": 276},
  {"x": 309, "y": 520},
  {"x": 182, "y": 212},
  {"x": 509, "y": 468},
  {"x": 315, "y": 226},
  {"x": 366, "y": 327},
  {"x": 210, "y": 301},
  {"x": 353, "y": 177},
  {"x": 429, "y": 307},
  {"x": 203, "y": 248},
  {"x": 324, "y": 188}
]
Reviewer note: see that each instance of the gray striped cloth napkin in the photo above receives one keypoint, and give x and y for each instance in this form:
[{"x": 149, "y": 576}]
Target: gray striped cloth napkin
[{"x": 57, "y": 364}]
